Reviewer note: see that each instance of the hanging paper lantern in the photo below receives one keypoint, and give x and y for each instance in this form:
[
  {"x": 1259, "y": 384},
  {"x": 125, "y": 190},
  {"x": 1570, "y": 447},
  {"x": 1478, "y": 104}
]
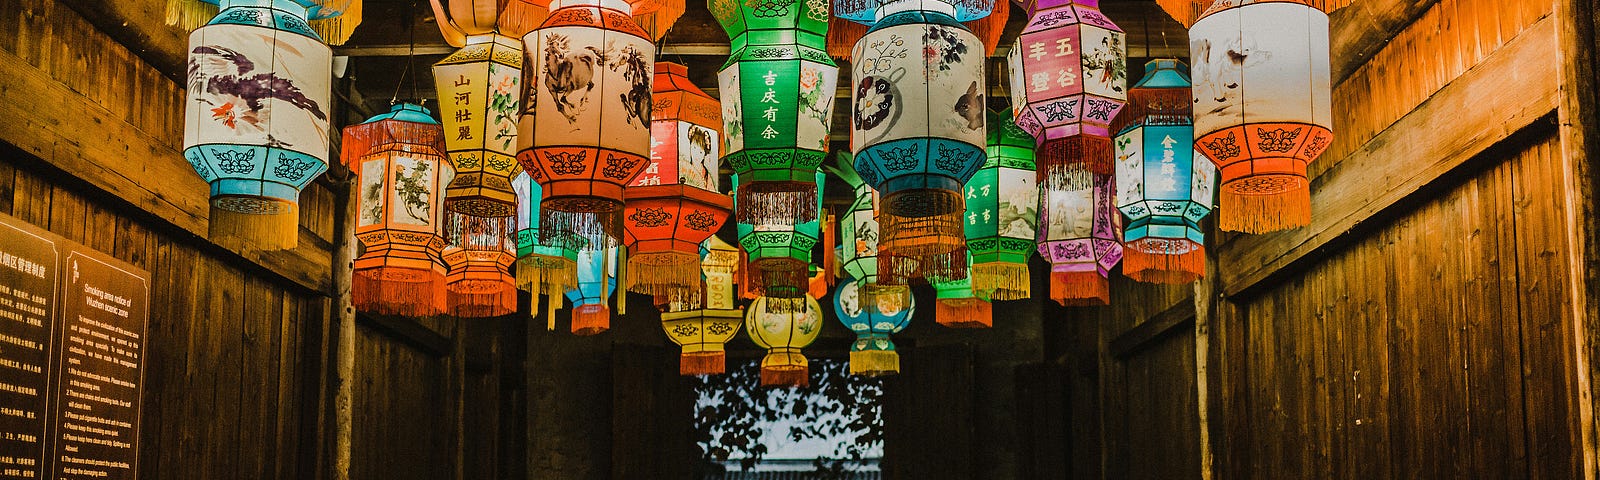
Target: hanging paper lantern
[
  {"x": 1068, "y": 80},
  {"x": 673, "y": 205},
  {"x": 783, "y": 326},
  {"x": 1162, "y": 187},
  {"x": 1003, "y": 213},
  {"x": 778, "y": 257},
  {"x": 917, "y": 131},
  {"x": 398, "y": 159},
  {"x": 844, "y": 33},
  {"x": 541, "y": 269},
  {"x": 479, "y": 95},
  {"x": 873, "y": 312},
  {"x": 708, "y": 322},
  {"x": 585, "y": 131},
  {"x": 462, "y": 19},
  {"x": 597, "y": 278},
  {"x": 1080, "y": 241},
  {"x": 777, "y": 105},
  {"x": 1263, "y": 107},
  {"x": 332, "y": 20},
  {"x": 858, "y": 229},
  {"x": 959, "y": 307},
  {"x": 480, "y": 258},
  {"x": 256, "y": 117}
]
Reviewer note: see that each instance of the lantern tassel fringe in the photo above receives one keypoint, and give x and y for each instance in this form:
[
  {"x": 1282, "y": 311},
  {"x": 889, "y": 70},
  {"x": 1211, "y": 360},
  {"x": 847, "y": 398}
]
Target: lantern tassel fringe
[
  {"x": 702, "y": 363},
  {"x": 482, "y": 298},
  {"x": 1080, "y": 289},
  {"x": 407, "y": 292},
  {"x": 1262, "y": 213},
  {"x": 580, "y": 230},
  {"x": 189, "y": 14},
  {"x": 1164, "y": 267},
  {"x": 271, "y": 231},
  {"x": 792, "y": 376},
  {"x": 964, "y": 313},
  {"x": 874, "y": 363},
  {"x": 785, "y": 278},
  {"x": 1063, "y": 162},
  {"x": 777, "y": 203},
  {"x": 663, "y": 273},
  {"x": 1002, "y": 280},
  {"x": 894, "y": 269},
  {"x": 590, "y": 320},
  {"x": 552, "y": 275}
]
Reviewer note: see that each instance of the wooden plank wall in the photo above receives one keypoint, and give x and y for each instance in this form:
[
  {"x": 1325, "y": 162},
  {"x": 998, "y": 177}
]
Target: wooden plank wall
[
  {"x": 240, "y": 368},
  {"x": 1425, "y": 330}
]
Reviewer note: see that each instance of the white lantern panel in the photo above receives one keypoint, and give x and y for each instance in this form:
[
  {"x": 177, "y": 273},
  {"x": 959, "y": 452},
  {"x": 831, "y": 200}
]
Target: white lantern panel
[
  {"x": 593, "y": 89},
  {"x": 230, "y": 102}
]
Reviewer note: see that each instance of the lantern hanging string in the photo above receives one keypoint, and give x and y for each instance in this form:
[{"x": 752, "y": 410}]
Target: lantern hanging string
[{"x": 411, "y": 58}]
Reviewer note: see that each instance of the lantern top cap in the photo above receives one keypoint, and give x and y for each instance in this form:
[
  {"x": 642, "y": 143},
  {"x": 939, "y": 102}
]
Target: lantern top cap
[
  {"x": 313, "y": 8},
  {"x": 674, "y": 77},
  {"x": 1165, "y": 73},
  {"x": 406, "y": 112}
]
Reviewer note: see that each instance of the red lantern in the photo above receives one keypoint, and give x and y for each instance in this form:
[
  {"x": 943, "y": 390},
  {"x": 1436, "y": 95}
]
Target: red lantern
[{"x": 673, "y": 205}]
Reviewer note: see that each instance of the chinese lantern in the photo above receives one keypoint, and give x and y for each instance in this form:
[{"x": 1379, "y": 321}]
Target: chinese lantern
[
  {"x": 597, "y": 278},
  {"x": 873, "y": 313},
  {"x": 777, "y": 106},
  {"x": 479, "y": 94},
  {"x": 783, "y": 326},
  {"x": 1080, "y": 241},
  {"x": 917, "y": 131},
  {"x": 1262, "y": 107},
  {"x": 398, "y": 159},
  {"x": 843, "y": 33},
  {"x": 480, "y": 257},
  {"x": 256, "y": 117},
  {"x": 585, "y": 131},
  {"x": 550, "y": 270},
  {"x": 778, "y": 257},
  {"x": 332, "y": 20},
  {"x": 959, "y": 307},
  {"x": 673, "y": 205},
  {"x": 1068, "y": 76},
  {"x": 709, "y": 321},
  {"x": 858, "y": 229},
  {"x": 1162, "y": 188},
  {"x": 460, "y": 20},
  {"x": 1003, "y": 213}
]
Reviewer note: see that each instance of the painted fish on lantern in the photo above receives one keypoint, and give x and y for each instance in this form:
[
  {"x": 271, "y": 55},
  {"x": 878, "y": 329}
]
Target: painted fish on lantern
[{"x": 239, "y": 97}]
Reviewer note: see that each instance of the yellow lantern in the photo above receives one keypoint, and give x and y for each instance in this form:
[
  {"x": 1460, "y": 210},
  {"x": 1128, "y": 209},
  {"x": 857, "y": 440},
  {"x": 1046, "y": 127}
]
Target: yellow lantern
[{"x": 783, "y": 326}]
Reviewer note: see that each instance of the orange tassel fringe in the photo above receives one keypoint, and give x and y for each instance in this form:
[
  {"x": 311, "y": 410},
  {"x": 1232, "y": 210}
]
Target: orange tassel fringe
[
  {"x": 777, "y": 203},
  {"x": 663, "y": 274},
  {"x": 1153, "y": 265},
  {"x": 408, "y": 292},
  {"x": 964, "y": 313},
  {"x": 480, "y": 298},
  {"x": 703, "y": 363},
  {"x": 792, "y": 376},
  {"x": 1063, "y": 161},
  {"x": 1265, "y": 212},
  {"x": 842, "y": 37},
  {"x": 590, "y": 320},
  {"x": 1080, "y": 289}
]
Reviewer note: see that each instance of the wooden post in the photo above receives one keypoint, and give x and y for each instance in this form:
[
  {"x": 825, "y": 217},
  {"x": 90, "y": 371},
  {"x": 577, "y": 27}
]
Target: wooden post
[
  {"x": 1580, "y": 140},
  {"x": 344, "y": 254}
]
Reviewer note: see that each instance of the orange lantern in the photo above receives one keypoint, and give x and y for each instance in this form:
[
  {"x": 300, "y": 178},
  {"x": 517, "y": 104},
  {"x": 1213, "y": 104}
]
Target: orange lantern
[
  {"x": 398, "y": 158},
  {"x": 480, "y": 258},
  {"x": 673, "y": 205}
]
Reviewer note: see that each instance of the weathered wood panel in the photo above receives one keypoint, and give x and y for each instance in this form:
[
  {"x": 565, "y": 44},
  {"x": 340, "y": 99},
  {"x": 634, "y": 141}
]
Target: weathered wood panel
[
  {"x": 403, "y": 425},
  {"x": 1433, "y": 348},
  {"x": 227, "y": 367},
  {"x": 927, "y": 415}
]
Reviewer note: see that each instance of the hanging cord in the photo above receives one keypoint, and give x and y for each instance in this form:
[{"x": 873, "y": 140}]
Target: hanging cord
[{"x": 411, "y": 55}]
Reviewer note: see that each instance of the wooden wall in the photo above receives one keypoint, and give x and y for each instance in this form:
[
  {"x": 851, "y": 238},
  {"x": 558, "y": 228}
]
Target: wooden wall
[
  {"x": 1428, "y": 324},
  {"x": 241, "y": 361}
]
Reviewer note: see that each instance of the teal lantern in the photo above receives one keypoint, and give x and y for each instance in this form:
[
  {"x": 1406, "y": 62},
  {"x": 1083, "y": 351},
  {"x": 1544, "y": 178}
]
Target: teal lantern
[
  {"x": 777, "y": 105},
  {"x": 542, "y": 268},
  {"x": 597, "y": 278},
  {"x": 256, "y": 116},
  {"x": 873, "y": 312},
  {"x": 858, "y": 228},
  {"x": 1164, "y": 187},
  {"x": 778, "y": 257},
  {"x": 1003, "y": 212},
  {"x": 917, "y": 130}
]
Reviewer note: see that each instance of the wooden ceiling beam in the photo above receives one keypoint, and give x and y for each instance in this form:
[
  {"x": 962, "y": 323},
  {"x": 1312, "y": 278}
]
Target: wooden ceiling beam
[
  {"x": 1360, "y": 30},
  {"x": 141, "y": 26}
]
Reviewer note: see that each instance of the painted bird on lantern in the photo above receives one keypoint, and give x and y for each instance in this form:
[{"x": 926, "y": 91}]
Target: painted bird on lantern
[{"x": 237, "y": 96}]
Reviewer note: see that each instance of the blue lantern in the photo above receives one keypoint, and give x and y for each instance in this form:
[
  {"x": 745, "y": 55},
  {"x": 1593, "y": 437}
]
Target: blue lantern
[
  {"x": 873, "y": 312},
  {"x": 1164, "y": 186}
]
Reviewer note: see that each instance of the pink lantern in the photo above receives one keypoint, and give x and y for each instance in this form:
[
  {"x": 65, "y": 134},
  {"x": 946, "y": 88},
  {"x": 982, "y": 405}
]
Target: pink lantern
[{"x": 1068, "y": 80}]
